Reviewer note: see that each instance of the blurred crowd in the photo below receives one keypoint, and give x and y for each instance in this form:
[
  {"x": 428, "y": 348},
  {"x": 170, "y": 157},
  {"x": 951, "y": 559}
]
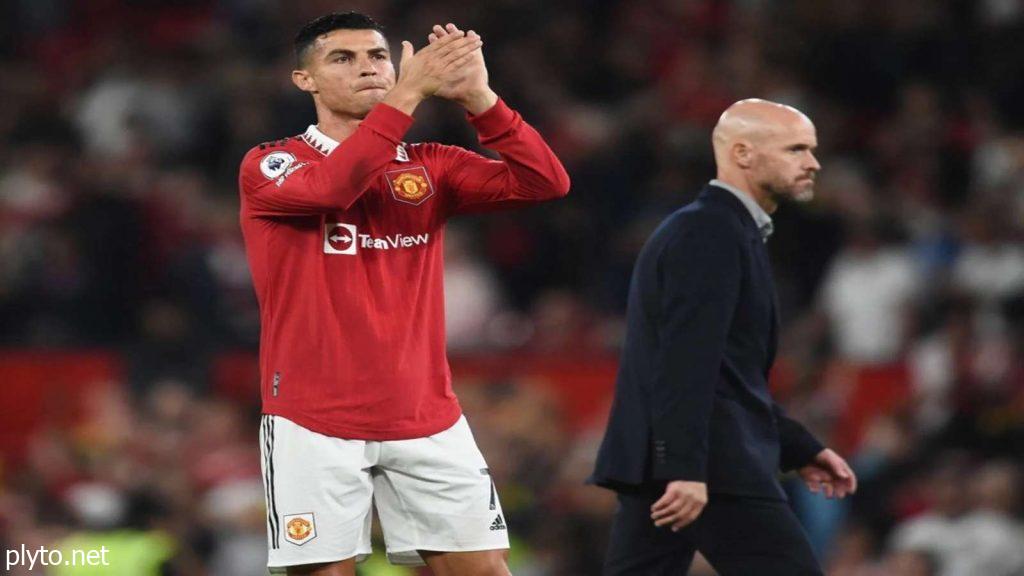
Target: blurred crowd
[{"x": 902, "y": 283}]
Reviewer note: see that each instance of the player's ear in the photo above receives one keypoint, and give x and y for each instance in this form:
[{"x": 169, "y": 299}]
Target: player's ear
[
  {"x": 304, "y": 81},
  {"x": 742, "y": 154}
]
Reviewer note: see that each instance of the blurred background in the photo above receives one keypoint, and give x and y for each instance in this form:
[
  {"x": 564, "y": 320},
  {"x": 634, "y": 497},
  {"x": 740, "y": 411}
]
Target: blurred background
[{"x": 128, "y": 325}]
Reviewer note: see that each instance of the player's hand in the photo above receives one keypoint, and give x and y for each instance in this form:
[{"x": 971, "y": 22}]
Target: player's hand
[
  {"x": 467, "y": 85},
  {"x": 682, "y": 503},
  {"x": 829, "y": 474},
  {"x": 423, "y": 73}
]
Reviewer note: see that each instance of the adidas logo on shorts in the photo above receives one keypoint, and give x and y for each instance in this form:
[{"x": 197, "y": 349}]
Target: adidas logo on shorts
[{"x": 498, "y": 524}]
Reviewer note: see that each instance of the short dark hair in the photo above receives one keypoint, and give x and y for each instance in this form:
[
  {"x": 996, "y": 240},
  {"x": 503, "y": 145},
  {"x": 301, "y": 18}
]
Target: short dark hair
[{"x": 307, "y": 36}]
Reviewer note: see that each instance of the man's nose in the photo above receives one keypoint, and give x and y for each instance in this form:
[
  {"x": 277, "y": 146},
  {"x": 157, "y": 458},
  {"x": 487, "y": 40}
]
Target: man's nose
[
  {"x": 366, "y": 68},
  {"x": 813, "y": 164}
]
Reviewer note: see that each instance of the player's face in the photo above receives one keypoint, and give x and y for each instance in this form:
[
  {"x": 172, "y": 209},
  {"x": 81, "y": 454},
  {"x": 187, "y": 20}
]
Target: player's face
[
  {"x": 351, "y": 70},
  {"x": 785, "y": 166}
]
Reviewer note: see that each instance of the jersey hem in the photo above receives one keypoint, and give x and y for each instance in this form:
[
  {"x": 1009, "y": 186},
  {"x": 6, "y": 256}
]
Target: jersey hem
[{"x": 335, "y": 431}]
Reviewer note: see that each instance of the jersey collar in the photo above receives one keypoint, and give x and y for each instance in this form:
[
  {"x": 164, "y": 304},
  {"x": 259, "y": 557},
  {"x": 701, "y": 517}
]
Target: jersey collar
[
  {"x": 325, "y": 144},
  {"x": 318, "y": 140}
]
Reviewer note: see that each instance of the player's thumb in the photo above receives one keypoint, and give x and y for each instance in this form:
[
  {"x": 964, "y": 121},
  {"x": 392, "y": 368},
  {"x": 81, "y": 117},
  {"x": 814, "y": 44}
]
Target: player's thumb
[{"x": 407, "y": 50}]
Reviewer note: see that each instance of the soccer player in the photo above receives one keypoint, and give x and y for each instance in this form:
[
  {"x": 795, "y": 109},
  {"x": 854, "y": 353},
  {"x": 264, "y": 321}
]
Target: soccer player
[{"x": 344, "y": 226}]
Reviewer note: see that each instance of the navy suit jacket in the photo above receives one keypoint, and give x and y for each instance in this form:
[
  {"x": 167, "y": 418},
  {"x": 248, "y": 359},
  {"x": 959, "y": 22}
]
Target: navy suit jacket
[{"x": 691, "y": 397}]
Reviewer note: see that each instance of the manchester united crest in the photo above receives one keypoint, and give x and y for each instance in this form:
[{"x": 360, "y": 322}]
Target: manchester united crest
[
  {"x": 299, "y": 528},
  {"x": 410, "y": 185}
]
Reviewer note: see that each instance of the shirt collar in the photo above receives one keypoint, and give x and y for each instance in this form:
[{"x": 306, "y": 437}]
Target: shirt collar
[
  {"x": 761, "y": 218},
  {"x": 325, "y": 144},
  {"x": 317, "y": 139}
]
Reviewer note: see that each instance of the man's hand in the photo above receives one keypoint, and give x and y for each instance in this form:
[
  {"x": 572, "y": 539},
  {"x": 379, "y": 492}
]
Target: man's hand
[
  {"x": 423, "y": 73},
  {"x": 467, "y": 85},
  {"x": 831, "y": 474},
  {"x": 682, "y": 503}
]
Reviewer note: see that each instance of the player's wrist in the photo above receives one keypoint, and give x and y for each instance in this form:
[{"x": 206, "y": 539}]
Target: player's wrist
[
  {"x": 404, "y": 98},
  {"x": 479, "y": 101}
]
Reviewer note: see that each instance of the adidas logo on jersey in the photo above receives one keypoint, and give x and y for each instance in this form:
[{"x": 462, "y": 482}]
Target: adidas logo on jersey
[{"x": 498, "y": 524}]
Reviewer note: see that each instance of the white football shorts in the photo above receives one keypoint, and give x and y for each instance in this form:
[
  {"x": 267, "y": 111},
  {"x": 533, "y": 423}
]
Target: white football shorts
[{"x": 433, "y": 493}]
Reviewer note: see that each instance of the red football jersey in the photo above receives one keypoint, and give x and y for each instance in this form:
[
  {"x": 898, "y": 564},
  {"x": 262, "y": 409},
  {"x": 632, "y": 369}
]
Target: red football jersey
[{"x": 344, "y": 241}]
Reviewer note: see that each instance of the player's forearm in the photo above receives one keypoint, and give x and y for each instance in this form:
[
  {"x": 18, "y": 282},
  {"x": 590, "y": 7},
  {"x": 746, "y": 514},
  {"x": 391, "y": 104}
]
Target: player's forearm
[
  {"x": 352, "y": 167},
  {"x": 350, "y": 170},
  {"x": 329, "y": 186},
  {"x": 536, "y": 173},
  {"x": 336, "y": 182}
]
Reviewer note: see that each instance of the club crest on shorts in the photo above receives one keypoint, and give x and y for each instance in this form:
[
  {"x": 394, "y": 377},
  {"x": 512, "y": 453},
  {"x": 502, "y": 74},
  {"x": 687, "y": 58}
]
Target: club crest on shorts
[
  {"x": 299, "y": 528},
  {"x": 410, "y": 185}
]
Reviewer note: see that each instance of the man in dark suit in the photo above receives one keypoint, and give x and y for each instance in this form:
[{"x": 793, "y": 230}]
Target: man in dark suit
[{"x": 695, "y": 442}]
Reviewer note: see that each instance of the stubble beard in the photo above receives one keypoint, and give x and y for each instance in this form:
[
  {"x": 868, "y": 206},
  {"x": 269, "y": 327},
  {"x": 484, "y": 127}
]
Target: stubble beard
[
  {"x": 785, "y": 192},
  {"x": 805, "y": 195}
]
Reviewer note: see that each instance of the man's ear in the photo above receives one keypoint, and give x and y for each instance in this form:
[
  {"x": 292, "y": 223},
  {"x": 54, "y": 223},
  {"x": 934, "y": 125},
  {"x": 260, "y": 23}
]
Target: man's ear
[
  {"x": 304, "y": 80},
  {"x": 743, "y": 154}
]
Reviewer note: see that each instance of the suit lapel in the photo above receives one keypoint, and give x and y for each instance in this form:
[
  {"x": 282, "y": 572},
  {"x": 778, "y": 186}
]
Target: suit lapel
[
  {"x": 716, "y": 194},
  {"x": 773, "y": 335},
  {"x": 765, "y": 264},
  {"x": 722, "y": 196}
]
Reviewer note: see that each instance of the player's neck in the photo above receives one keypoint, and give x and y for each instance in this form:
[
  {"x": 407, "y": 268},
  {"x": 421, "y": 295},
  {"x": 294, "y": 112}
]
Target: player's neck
[{"x": 337, "y": 127}]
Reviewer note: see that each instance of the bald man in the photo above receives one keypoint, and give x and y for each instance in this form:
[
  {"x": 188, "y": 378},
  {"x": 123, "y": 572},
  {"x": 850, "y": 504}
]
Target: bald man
[{"x": 695, "y": 442}]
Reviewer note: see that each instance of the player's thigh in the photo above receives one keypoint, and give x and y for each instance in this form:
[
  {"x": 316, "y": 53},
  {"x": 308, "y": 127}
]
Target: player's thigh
[
  {"x": 318, "y": 493},
  {"x": 636, "y": 547},
  {"x": 741, "y": 536},
  {"x": 436, "y": 494},
  {"x": 343, "y": 568},
  {"x": 479, "y": 563}
]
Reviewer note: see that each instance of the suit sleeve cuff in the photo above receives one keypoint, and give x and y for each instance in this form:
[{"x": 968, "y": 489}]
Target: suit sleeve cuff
[
  {"x": 389, "y": 122},
  {"x": 495, "y": 121},
  {"x": 801, "y": 451},
  {"x": 668, "y": 465}
]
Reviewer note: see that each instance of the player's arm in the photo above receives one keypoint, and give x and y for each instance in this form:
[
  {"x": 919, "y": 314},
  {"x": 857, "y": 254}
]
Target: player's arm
[
  {"x": 700, "y": 274},
  {"x": 528, "y": 170},
  {"x": 340, "y": 179},
  {"x": 333, "y": 184}
]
